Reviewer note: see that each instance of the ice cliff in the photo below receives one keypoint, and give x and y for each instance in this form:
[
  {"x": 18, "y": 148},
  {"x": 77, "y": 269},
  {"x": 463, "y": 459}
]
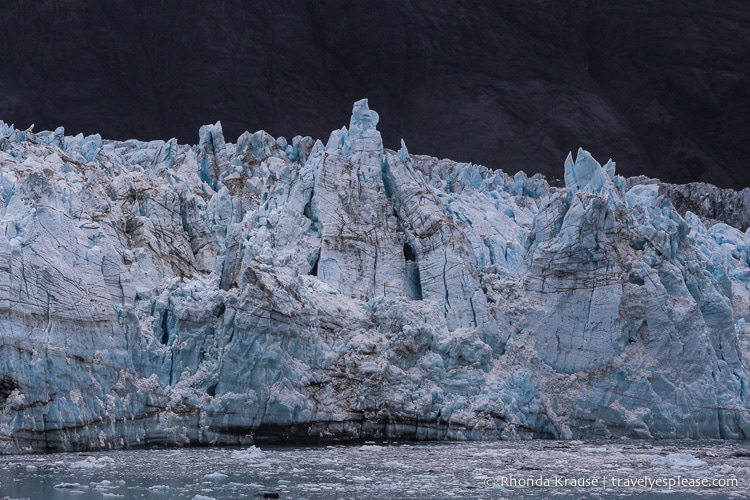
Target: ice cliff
[{"x": 158, "y": 293}]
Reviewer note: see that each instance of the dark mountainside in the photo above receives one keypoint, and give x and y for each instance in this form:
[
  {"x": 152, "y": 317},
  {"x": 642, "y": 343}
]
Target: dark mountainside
[{"x": 661, "y": 86}]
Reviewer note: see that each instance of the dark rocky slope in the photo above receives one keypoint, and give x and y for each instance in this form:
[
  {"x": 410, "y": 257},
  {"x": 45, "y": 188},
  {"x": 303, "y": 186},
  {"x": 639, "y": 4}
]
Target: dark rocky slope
[{"x": 664, "y": 86}]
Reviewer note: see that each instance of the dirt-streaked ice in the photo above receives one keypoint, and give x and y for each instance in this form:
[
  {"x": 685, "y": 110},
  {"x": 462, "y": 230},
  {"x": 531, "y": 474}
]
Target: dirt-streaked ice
[{"x": 152, "y": 292}]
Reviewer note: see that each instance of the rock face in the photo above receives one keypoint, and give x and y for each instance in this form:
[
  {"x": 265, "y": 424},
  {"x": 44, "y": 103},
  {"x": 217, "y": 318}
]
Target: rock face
[
  {"x": 157, "y": 293},
  {"x": 513, "y": 84},
  {"x": 710, "y": 203}
]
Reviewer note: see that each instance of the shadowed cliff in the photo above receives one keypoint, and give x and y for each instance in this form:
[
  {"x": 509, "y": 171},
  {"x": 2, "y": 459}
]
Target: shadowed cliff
[{"x": 662, "y": 86}]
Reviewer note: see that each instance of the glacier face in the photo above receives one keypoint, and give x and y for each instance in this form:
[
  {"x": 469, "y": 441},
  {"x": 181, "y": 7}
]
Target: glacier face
[{"x": 158, "y": 293}]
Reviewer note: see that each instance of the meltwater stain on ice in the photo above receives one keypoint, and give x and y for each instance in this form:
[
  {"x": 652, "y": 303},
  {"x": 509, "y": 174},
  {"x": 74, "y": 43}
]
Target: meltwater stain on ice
[
  {"x": 153, "y": 293},
  {"x": 387, "y": 470}
]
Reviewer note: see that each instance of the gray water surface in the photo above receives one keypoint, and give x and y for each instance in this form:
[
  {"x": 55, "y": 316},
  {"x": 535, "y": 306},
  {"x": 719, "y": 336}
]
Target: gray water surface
[{"x": 505, "y": 469}]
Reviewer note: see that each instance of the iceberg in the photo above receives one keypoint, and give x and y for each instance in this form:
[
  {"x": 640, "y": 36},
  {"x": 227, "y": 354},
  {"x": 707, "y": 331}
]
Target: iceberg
[{"x": 302, "y": 292}]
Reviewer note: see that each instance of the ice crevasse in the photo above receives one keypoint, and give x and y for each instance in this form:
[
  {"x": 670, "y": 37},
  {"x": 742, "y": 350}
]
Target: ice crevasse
[{"x": 160, "y": 293}]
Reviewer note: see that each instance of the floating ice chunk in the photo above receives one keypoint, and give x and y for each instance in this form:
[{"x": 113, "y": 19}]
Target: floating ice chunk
[
  {"x": 490, "y": 454},
  {"x": 251, "y": 453},
  {"x": 93, "y": 463},
  {"x": 68, "y": 486},
  {"x": 264, "y": 463},
  {"x": 676, "y": 460},
  {"x": 105, "y": 488},
  {"x": 723, "y": 469},
  {"x": 595, "y": 449},
  {"x": 215, "y": 476},
  {"x": 203, "y": 497},
  {"x": 371, "y": 448}
]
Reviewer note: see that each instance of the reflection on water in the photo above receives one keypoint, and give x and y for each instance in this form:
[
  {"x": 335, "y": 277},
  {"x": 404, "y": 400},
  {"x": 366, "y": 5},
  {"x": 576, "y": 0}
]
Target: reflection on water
[{"x": 527, "y": 469}]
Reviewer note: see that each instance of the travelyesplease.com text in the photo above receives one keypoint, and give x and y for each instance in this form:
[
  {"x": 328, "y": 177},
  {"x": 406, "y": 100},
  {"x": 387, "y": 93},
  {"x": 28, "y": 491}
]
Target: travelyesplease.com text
[{"x": 605, "y": 482}]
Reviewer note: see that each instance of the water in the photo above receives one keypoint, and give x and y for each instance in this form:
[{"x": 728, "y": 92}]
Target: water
[{"x": 610, "y": 469}]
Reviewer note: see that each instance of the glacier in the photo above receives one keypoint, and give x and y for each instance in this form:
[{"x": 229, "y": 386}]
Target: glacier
[{"x": 154, "y": 293}]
